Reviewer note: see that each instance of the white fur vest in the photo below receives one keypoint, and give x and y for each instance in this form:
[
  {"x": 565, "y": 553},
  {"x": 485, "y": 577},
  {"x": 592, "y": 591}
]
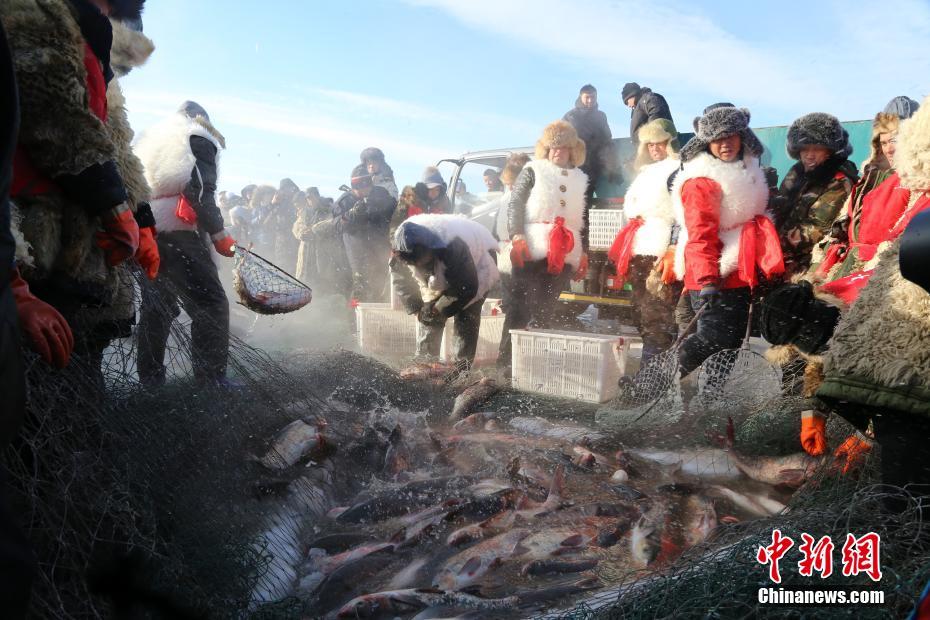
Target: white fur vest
[
  {"x": 480, "y": 243},
  {"x": 557, "y": 192},
  {"x": 745, "y": 195},
  {"x": 165, "y": 152},
  {"x": 648, "y": 198}
]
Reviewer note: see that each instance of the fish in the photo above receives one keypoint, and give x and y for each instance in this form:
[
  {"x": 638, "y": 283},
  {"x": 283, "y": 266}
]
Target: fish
[
  {"x": 409, "y": 575},
  {"x": 327, "y": 564},
  {"x": 399, "y": 602},
  {"x": 337, "y": 543},
  {"x": 490, "y": 527},
  {"x": 627, "y": 492},
  {"x": 397, "y": 458},
  {"x": 521, "y": 471},
  {"x": 533, "y": 425},
  {"x": 699, "y": 519},
  {"x": 424, "y": 526},
  {"x": 587, "y": 458},
  {"x": 264, "y": 301},
  {"x": 402, "y": 500},
  {"x": 550, "y": 567},
  {"x": 341, "y": 584},
  {"x": 473, "y": 396},
  {"x": 423, "y": 372},
  {"x": 470, "y": 565},
  {"x": 292, "y": 443},
  {"x": 447, "y": 613},
  {"x": 704, "y": 463},
  {"x": 555, "y": 541},
  {"x": 790, "y": 471},
  {"x": 755, "y": 504},
  {"x": 492, "y": 426},
  {"x": 646, "y": 537},
  {"x": 678, "y": 518},
  {"x": 473, "y": 422}
]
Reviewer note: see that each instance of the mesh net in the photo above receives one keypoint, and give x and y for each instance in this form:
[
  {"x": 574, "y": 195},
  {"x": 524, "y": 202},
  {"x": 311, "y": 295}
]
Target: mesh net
[{"x": 265, "y": 288}]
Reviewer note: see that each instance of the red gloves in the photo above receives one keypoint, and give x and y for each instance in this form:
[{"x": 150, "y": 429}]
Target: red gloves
[
  {"x": 119, "y": 238},
  {"x": 666, "y": 266},
  {"x": 44, "y": 328},
  {"x": 147, "y": 255},
  {"x": 519, "y": 252},
  {"x": 813, "y": 433},
  {"x": 582, "y": 268},
  {"x": 223, "y": 242},
  {"x": 852, "y": 452}
]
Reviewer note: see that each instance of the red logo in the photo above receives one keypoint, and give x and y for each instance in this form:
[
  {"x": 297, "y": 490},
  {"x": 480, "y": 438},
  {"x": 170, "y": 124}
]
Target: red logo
[{"x": 859, "y": 555}]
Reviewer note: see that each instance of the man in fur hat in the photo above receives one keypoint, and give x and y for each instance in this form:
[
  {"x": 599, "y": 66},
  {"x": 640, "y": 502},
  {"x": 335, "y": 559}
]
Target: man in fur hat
[
  {"x": 547, "y": 222},
  {"x": 444, "y": 266},
  {"x": 80, "y": 212},
  {"x": 381, "y": 174},
  {"x": 181, "y": 156},
  {"x": 726, "y": 239},
  {"x": 362, "y": 217},
  {"x": 814, "y": 190},
  {"x": 643, "y": 251},
  {"x": 592, "y": 127},
  {"x": 646, "y": 106}
]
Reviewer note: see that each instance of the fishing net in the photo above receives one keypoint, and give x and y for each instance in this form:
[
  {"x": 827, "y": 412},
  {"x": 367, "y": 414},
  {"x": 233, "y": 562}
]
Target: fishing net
[
  {"x": 651, "y": 397},
  {"x": 264, "y": 287}
]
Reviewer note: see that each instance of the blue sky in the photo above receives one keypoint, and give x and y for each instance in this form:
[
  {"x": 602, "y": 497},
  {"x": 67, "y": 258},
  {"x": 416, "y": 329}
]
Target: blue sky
[{"x": 299, "y": 88}]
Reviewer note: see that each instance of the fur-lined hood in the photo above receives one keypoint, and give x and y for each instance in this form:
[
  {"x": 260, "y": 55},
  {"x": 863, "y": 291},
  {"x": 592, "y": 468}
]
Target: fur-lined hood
[
  {"x": 912, "y": 156},
  {"x": 883, "y": 123},
  {"x": 658, "y": 130},
  {"x": 130, "y": 48},
  {"x": 561, "y": 134}
]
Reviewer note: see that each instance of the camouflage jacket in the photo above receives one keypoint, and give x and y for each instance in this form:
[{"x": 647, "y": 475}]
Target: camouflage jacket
[{"x": 806, "y": 206}]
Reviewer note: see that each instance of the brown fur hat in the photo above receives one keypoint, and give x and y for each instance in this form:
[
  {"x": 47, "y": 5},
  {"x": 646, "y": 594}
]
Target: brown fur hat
[
  {"x": 883, "y": 123},
  {"x": 561, "y": 134},
  {"x": 658, "y": 130},
  {"x": 512, "y": 168},
  {"x": 912, "y": 156}
]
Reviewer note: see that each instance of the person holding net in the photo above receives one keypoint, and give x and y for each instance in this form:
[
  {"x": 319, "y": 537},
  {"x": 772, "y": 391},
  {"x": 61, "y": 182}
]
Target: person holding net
[
  {"x": 180, "y": 156},
  {"x": 726, "y": 239}
]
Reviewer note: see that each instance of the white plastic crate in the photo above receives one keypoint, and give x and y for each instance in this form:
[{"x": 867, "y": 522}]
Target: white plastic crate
[
  {"x": 603, "y": 226},
  {"x": 384, "y": 332},
  {"x": 574, "y": 365}
]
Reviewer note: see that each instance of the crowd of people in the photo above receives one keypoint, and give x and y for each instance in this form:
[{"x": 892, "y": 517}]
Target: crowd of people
[{"x": 709, "y": 234}]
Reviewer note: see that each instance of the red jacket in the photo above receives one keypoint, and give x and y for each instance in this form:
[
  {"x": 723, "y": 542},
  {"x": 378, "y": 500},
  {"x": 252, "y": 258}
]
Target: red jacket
[{"x": 759, "y": 247}]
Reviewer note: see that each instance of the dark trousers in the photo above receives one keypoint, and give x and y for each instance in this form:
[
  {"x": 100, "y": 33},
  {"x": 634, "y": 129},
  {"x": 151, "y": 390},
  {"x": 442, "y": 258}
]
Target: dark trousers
[
  {"x": 188, "y": 277},
  {"x": 17, "y": 563},
  {"x": 533, "y": 299},
  {"x": 721, "y": 326},
  {"x": 657, "y": 324},
  {"x": 465, "y": 329},
  {"x": 903, "y": 438}
]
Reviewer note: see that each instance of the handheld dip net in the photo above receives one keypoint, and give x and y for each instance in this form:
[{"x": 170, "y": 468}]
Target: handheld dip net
[{"x": 265, "y": 288}]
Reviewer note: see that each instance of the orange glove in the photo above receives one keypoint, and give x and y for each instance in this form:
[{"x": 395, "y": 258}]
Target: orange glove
[
  {"x": 46, "y": 330},
  {"x": 223, "y": 242},
  {"x": 813, "y": 433},
  {"x": 519, "y": 252},
  {"x": 119, "y": 238},
  {"x": 147, "y": 255},
  {"x": 852, "y": 452},
  {"x": 582, "y": 268},
  {"x": 666, "y": 266}
]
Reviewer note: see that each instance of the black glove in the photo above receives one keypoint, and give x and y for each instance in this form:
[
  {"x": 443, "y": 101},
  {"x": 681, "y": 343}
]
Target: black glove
[
  {"x": 840, "y": 230},
  {"x": 429, "y": 317},
  {"x": 422, "y": 192}
]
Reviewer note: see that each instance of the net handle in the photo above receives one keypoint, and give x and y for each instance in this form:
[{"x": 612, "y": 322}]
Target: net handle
[
  {"x": 268, "y": 262},
  {"x": 745, "y": 346}
]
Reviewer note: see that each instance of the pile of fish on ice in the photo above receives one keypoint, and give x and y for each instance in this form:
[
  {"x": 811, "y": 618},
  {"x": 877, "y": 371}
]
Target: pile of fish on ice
[{"x": 476, "y": 513}]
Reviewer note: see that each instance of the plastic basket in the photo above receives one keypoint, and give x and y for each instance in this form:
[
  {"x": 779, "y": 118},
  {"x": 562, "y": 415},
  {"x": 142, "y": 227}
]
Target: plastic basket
[
  {"x": 383, "y": 332},
  {"x": 603, "y": 226},
  {"x": 573, "y": 365}
]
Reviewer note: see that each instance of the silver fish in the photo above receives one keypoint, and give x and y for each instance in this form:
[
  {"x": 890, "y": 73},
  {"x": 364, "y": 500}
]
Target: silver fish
[
  {"x": 474, "y": 395},
  {"x": 544, "y": 428},
  {"x": 467, "y": 567},
  {"x": 755, "y": 504},
  {"x": 394, "y": 602},
  {"x": 295, "y": 441}
]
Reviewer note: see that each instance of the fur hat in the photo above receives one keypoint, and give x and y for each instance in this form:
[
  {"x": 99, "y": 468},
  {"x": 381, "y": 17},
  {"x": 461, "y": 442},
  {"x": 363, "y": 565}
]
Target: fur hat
[
  {"x": 902, "y": 107},
  {"x": 372, "y": 153},
  {"x": 713, "y": 106},
  {"x": 720, "y": 122},
  {"x": 130, "y": 48},
  {"x": 818, "y": 129},
  {"x": 432, "y": 177},
  {"x": 630, "y": 89},
  {"x": 561, "y": 134},
  {"x": 883, "y": 123},
  {"x": 659, "y": 130},
  {"x": 192, "y": 109},
  {"x": 126, "y": 10},
  {"x": 513, "y": 167},
  {"x": 912, "y": 156}
]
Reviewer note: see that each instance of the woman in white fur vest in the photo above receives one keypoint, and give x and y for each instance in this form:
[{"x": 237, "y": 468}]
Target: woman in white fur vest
[
  {"x": 547, "y": 221},
  {"x": 444, "y": 266},
  {"x": 180, "y": 156},
  {"x": 643, "y": 251},
  {"x": 726, "y": 239}
]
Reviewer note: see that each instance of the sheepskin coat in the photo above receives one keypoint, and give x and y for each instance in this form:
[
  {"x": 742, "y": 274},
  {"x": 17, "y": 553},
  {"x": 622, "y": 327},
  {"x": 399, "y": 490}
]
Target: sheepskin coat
[
  {"x": 880, "y": 352},
  {"x": 61, "y": 139},
  {"x": 165, "y": 150},
  {"x": 554, "y": 192},
  {"x": 649, "y": 199},
  {"x": 743, "y": 195}
]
